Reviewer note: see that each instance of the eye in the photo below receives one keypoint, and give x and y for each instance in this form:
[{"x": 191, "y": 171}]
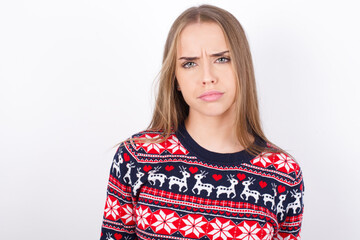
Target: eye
[
  {"x": 188, "y": 64},
  {"x": 223, "y": 59}
]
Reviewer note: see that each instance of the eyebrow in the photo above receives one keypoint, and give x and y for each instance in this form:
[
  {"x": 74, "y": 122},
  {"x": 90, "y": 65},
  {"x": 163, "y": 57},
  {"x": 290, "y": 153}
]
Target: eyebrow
[{"x": 212, "y": 55}]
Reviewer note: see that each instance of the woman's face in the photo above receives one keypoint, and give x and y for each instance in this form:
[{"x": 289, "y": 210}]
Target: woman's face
[{"x": 203, "y": 65}]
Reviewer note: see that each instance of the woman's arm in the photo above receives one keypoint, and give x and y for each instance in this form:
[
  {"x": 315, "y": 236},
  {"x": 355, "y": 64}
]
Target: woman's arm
[
  {"x": 290, "y": 226},
  {"x": 119, "y": 217}
]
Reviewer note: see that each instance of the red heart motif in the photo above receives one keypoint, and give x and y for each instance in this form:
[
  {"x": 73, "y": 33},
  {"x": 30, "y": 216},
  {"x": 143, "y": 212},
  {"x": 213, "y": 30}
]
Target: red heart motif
[
  {"x": 215, "y": 211},
  {"x": 217, "y": 177},
  {"x": 117, "y": 236},
  {"x": 150, "y": 201},
  {"x": 262, "y": 184},
  {"x": 162, "y": 203},
  {"x": 169, "y": 168},
  {"x": 126, "y": 157},
  {"x": 182, "y": 207},
  {"x": 169, "y": 204},
  {"x": 188, "y": 208},
  {"x": 193, "y": 169},
  {"x": 147, "y": 168},
  {"x": 201, "y": 210},
  {"x": 281, "y": 189},
  {"x": 221, "y": 212},
  {"x": 241, "y": 176},
  {"x": 208, "y": 210},
  {"x": 227, "y": 213},
  {"x": 176, "y": 205},
  {"x": 195, "y": 209}
]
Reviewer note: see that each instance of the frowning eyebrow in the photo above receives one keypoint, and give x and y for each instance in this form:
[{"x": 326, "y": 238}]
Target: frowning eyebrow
[{"x": 212, "y": 55}]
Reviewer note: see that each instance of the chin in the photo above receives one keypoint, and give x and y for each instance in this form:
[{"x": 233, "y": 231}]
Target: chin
[{"x": 213, "y": 112}]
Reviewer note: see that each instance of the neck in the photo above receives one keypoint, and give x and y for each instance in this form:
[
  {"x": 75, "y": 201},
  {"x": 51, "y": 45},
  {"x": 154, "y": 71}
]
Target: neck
[{"x": 214, "y": 133}]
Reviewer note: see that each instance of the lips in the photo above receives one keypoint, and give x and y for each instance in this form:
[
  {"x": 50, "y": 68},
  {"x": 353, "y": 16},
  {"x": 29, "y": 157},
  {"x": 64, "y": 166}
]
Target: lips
[{"x": 211, "y": 95}]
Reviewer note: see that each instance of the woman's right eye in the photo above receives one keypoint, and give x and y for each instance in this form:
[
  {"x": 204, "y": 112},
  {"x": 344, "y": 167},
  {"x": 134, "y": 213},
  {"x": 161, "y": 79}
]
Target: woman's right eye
[{"x": 188, "y": 64}]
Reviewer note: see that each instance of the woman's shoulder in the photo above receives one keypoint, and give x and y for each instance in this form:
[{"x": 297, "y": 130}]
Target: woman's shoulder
[
  {"x": 277, "y": 159},
  {"x": 145, "y": 136}
]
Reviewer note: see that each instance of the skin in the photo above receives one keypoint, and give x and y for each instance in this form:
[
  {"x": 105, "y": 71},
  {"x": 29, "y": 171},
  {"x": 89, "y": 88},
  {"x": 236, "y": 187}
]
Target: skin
[{"x": 210, "y": 124}]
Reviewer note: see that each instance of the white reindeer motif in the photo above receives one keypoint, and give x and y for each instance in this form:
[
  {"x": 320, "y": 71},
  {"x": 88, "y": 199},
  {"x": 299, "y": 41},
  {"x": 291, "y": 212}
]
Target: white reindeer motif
[
  {"x": 280, "y": 208},
  {"x": 296, "y": 204},
  {"x": 202, "y": 186},
  {"x": 228, "y": 190},
  {"x": 153, "y": 176},
  {"x": 108, "y": 236},
  {"x": 269, "y": 198},
  {"x": 249, "y": 193},
  {"x": 116, "y": 165},
  {"x": 181, "y": 182},
  {"x": 127, "y": 175},
  {"x": 138, "y": 182}
]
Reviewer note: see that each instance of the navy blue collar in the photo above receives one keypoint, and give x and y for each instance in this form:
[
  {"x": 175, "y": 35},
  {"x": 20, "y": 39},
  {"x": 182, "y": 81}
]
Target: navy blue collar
[{"x": 203, "y": 154}]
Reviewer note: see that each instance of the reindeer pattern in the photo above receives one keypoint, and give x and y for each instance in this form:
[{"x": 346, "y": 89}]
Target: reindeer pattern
[
  {"x": 116, "y": 164},
  {"x": 201, "y": 187},
  {"x": 246, "y": 193}
]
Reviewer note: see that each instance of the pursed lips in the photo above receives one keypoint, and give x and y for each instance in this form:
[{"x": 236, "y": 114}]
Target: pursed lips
[{"x": 208, "y": 93}]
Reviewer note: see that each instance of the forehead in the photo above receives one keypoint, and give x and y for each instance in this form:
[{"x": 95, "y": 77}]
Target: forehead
[{"x": 201, "y": 37}]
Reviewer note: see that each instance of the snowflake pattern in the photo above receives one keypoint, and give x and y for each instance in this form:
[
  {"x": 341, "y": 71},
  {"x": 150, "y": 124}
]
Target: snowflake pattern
[
  {"x": 263, "y": 160},
  {"x": 221, "y": 230},
  {"x": 248, "y": 232},
  {"x": 175, "y": 145},
  {"x": 150, "y": 147},
  {"x": 165, "y": 221},
  {"x": 269, "y": 231},
  {"x": 128, "y": 214},
  {"x": 141, "y": 217},
  {"x": 285, "y": 163},
  {"x": 193, "y": 225},
  {"x": 111, "y": 209}
]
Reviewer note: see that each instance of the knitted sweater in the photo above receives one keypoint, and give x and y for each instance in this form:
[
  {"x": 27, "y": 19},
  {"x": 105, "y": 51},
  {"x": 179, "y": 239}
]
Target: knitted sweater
[{"x": 179, "y": 190}]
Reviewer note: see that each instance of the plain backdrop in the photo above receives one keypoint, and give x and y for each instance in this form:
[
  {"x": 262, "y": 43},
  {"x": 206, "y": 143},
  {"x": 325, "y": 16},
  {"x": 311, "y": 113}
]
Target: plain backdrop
[{"x": 77, "y": 77}]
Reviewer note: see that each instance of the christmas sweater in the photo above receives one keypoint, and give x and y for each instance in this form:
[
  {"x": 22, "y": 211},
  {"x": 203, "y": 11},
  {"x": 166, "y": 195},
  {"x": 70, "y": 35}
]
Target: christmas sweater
[{"x": 179, "y": 190}]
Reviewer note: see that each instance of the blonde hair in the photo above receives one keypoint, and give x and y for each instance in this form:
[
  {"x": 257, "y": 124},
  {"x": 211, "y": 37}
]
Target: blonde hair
[{"x": 171, "y": 108}]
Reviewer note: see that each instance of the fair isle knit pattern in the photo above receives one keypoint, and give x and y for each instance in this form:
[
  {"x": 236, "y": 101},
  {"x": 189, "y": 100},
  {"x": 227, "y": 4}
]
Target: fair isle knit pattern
[{"x": 179, "y": 190}]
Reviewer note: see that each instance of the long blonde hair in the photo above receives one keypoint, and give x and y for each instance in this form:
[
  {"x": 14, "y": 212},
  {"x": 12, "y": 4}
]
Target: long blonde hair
[{"x": 171, "y": 108}]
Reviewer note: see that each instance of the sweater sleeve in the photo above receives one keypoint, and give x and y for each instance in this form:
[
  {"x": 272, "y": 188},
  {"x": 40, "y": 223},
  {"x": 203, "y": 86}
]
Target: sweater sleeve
[
  {"x": 290, "y": 227},
  {"x": 119, "y": 213}
]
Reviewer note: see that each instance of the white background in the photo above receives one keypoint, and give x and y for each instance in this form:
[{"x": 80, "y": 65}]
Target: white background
[{"x": 76, "y": 77}]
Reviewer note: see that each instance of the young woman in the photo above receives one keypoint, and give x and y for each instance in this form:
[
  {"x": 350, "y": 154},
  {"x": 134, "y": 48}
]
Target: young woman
[{"x": 203, "y": 168}]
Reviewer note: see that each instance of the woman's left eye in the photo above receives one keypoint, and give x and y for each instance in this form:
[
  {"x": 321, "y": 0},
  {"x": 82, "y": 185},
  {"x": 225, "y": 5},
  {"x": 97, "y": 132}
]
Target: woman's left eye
[{"x": 223, "y": 59}]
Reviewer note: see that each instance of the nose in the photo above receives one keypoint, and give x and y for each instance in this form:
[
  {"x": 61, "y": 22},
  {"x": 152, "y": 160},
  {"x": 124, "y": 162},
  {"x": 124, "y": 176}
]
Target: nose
[{"x": 208, "y": 73}]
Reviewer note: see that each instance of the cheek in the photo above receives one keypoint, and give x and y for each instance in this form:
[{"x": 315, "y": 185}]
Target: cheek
[{"x": 185, "y": 80}]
